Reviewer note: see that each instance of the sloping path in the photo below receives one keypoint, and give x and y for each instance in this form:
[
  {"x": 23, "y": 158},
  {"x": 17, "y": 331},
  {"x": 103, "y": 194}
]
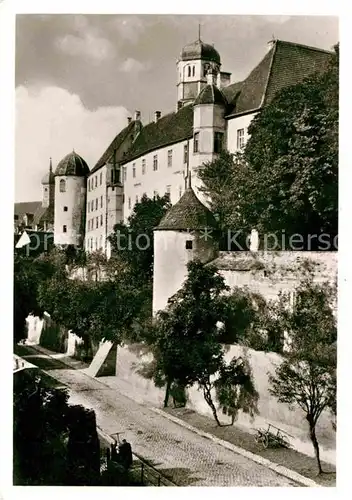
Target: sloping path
[{"x": 183, "y": 456}]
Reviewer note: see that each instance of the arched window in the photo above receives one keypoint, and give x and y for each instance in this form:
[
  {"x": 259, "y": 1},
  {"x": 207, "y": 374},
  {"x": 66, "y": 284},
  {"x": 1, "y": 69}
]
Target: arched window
[
  {"x": 189, "y": 70},
  {"x": 193, "y": 70},
  {"x": 62, "y": 185}
]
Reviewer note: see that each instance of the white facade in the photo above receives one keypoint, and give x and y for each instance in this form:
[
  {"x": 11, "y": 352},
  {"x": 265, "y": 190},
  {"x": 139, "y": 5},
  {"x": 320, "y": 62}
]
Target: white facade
[
  {"x": 237, "y": 131},
  {"x": 172, "y": 252},
  {"x": 96, "y": 211},
  {"x": 157, "y": 172},
  {"x": 69, "y": 214}
]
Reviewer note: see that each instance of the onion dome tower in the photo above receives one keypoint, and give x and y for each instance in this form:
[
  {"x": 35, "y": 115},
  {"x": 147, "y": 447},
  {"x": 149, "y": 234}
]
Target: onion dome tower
[
  {"x": 195, "y": 60},
  {"x": 186, "y": 232},
  {"x": 70, "y": 200}
]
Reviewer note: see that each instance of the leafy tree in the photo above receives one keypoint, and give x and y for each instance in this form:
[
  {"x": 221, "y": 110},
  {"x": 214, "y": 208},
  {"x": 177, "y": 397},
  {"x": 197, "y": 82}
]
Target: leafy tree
[
  {"x": 307, "y": 375},
  {"x": 286, "y": 178},
  {"x": 133, "y": 242},
  {"x": 29, "y": 274},
  {"x": 235, "y": 389},
  {"x": 39, "y": 431},
  {"x": 185, "y": 337}
]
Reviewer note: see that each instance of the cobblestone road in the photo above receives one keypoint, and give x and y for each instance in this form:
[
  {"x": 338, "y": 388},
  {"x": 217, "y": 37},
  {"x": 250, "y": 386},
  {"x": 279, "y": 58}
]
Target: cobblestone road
[{"x": 185, "y": 457}]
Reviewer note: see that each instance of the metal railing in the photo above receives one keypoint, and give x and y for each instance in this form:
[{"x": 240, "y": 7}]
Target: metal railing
[{"x": 147, "y": 474}]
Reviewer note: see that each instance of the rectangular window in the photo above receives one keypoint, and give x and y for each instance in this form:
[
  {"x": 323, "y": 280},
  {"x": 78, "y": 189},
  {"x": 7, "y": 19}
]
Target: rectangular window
[
  {"x": 96, "y": 204},
  {"x": 88, "y": 184},
  {"x": 168, "y": 192},
  {"x": 185, "y": 153},
  {"x": 96, "y": 222},
  {"x": 196, "y": 142},
  {"x": 88, "y": 207},
  {"x": 101, "y": 201},
  {"x": 88, "y": 225},
  {"x": 92, "y": 205},
  {"x": 129, "y": 203},
  {"x": 101, "y": 220},
  {"x": 240, "y": 138},
  {"x": 134, "y": 170},
  {"x": 64, "y": 229},
  {"x": 218, "y": 140},
  {"x": 124, "y": 174},
  {"x": 189, "y": 244},
  {"x": 101, "y": 178},
  {"x": 169, "y": 158},
  {"x": 155, "y": 162},
  {"x": 96, "y": 181},
  {"x": 143, "y": 166},
  {"x": 65, "y": 209}
]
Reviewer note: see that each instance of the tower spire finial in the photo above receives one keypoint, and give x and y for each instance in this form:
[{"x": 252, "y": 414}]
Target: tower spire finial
[
  {"x": 50, "y": 165},
  {"x": 199, "y": 31}
]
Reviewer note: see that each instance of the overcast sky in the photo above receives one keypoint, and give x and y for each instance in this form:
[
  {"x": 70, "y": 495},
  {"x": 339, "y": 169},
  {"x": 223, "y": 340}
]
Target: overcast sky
[{"x": 79, "y": 77}]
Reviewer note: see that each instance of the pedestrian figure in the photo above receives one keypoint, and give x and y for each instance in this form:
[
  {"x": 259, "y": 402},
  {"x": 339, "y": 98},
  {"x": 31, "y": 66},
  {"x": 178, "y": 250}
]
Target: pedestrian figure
[
  {"x": 125, "y": 454},
  {"x": 114, "y": 455}
]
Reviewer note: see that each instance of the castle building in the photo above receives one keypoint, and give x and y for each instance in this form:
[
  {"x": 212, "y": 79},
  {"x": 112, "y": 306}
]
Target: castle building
[{"x": 211, "y": 114}]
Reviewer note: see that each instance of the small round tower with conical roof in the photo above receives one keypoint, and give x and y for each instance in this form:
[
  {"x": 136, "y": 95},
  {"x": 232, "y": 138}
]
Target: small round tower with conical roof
[
  {"x": 70, "y": 200},
  {"x": 186, "y": 232}
]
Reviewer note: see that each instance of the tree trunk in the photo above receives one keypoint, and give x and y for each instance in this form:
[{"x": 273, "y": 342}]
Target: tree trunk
[
  {"x": 167, "y": 393},
  {"x": 315, "y": 445},
  {"x": 208, "y": 399}
]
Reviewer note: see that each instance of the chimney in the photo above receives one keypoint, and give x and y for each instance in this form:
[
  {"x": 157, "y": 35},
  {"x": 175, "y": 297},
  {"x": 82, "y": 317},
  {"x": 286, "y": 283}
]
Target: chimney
[
  {"x": 157, "y": 116},
  {"x": 211, "y": 77},
  {"x": 137, "y": 115},
  {"x": 129, "y": 119}
]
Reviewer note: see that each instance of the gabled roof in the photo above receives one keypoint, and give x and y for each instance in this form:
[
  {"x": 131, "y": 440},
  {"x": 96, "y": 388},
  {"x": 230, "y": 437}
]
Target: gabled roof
[
  {"x": 34, "y": 208},
  {"x": 115, "y": 144},
  {"x": 286, "y": 64},
  {"x": 27, "y": 207},
  {"x": 171, "y": 128},
  {"x": 210, "y": 94},
  {"x": 187, "y": 214}
]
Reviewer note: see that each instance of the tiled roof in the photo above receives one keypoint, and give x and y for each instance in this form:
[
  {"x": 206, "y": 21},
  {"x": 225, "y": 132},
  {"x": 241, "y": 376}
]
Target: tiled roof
[
  {"x": 29, "y": 207},
  {"x": 114, "y": 146},
  {"x": 171, "y": 128},
  {"x": 187, "y": 214},
  {"x": 72, "y": 164},
  {"x": 284, "y": 65},
  {"x": 210, "y": 94},
  {"x": 47, "y": 215}
]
